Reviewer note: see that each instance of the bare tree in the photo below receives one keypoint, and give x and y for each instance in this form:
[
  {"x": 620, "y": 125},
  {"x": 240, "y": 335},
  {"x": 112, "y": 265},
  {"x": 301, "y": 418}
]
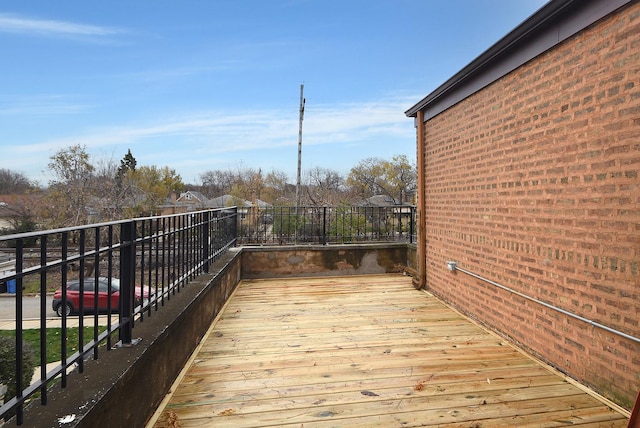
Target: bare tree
[
  {"x": 106, "y": 194},
  {"x": 13, "y": 182},
  {"x": 324, "y": 187},
  {"x": 217, "y": 182},
  {"x": 69, "y": 192},
  {"x": 19, "y": 212}
]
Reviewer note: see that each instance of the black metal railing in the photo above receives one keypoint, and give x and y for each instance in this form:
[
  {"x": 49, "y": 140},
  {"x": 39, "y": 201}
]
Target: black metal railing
[
  {"x": 326, "y": 225},
  {"x": 134, "y": 265},
  {"x": 148, "y": 260}
]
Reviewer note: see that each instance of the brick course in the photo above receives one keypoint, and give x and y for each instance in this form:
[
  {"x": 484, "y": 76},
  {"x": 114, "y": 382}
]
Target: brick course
[{"x": 533, "y": 183}]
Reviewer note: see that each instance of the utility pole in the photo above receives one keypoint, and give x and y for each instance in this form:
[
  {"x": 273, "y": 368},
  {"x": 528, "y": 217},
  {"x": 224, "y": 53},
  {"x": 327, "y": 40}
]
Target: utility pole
[{"x": 302, "y": 101}]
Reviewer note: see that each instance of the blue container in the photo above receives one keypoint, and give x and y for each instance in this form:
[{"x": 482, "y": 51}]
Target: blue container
[{"x": 11, "y": 286}]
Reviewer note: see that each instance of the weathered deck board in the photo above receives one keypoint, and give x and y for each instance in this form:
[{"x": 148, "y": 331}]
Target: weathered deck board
[{"x": 364, "y": 351}]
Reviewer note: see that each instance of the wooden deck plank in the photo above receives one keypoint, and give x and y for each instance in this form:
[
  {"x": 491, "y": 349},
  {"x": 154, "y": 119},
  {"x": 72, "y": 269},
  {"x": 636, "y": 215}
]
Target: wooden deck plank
[
  {"x": 409, "y": 385},
  {"x": 351, "y": 406},
  {"x": 365, "y": 351}
]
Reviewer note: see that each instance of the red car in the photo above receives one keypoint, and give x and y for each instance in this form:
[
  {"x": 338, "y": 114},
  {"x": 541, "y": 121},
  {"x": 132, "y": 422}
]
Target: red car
[{"x": 72, "y": 302}]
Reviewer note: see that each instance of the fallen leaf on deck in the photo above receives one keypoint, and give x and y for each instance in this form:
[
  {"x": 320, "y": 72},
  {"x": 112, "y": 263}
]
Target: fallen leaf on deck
[{"x": 172, "y": 420}]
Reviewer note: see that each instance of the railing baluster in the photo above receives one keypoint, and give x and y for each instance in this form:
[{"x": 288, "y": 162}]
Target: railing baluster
[
  {"x": 82, "y": 308},
  {"x": 143, "y": 242},
  {"x": 171, "y": 268},
  {"x": 206, "y": 240},
  {"x": 127, "y": 275},
  {"x": 109, "y": 283},
  {"x": 164, "y": 259},
  {"x": 96, "y": 267},
  {"x": 43, "y": 319},
  {"x": 180, "y": 250},
  {"x": 19, "y": 330}
]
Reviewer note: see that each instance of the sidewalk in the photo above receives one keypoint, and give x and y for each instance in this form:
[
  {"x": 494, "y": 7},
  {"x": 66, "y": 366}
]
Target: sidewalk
[{"x": 53, "y": 322}]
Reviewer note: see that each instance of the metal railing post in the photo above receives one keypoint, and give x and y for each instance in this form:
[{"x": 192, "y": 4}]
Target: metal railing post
[
  {"x": 234, "y": 223},
  {"x": 43, "y": 319},
  {"x": 206, "y": 239},
  {"x": 19, "y": 336},
  {"x": 127, "y": 276},
  {"x": 324, "y": 226},
  {"x": 412, "y": 218}
]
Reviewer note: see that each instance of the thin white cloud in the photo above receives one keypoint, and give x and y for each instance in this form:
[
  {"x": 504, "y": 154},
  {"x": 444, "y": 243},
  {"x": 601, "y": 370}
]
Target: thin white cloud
[
  {"x": 241, "y": 131},
  {"x": 207, "y": 137},
  {"x": 40, "y": 105},
  {"x": 22, "y": 25}
]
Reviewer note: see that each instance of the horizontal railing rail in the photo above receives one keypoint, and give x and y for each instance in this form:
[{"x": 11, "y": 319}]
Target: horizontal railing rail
[
  {"x": 130, "y": 267},
  {"x": 326, "y": 225}
]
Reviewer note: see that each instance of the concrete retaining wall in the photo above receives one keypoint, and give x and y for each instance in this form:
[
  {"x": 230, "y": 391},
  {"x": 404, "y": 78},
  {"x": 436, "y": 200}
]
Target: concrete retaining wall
[{"x": 306, "y": 260}]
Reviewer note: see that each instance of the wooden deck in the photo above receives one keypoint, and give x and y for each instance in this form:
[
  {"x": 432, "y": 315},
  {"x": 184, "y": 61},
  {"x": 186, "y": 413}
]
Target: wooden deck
[{"x": 364, "y": 351}]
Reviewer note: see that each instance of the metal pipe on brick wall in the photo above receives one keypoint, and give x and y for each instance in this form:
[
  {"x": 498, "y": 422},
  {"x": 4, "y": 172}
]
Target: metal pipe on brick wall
[
  {"x": 452, "y": 266},
  {"x": 421, "y": 245}
]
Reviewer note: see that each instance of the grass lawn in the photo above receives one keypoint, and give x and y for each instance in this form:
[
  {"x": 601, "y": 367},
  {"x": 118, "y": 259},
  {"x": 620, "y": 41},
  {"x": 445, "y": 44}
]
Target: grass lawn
[
  {"x": 32, "y": 286},
  {"x": 32, "y": 337}
]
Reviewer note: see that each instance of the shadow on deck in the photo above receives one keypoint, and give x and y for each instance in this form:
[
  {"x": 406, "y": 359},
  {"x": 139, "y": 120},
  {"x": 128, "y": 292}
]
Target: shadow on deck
[{"x": 364, "y": 351}]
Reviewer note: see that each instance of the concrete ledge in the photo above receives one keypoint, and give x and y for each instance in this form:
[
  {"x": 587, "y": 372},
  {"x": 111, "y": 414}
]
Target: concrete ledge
[{"x": 323, "y": 260}]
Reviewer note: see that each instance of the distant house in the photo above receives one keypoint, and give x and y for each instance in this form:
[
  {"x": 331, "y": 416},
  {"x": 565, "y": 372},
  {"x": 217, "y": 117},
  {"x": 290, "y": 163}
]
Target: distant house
[
  {"x": 6, "y": 214},
  {"x": 187, "y": 201},
  {"x": 529, "y": 178},
  {"x": 194, "y": 199},
  {"x": 14, "y": 207},
  {"x": 401, "y": 212},
  {"x": 378, "y": 201},
  {"x": 243, "y": 205},
  {"x": 230, "y": 201},
  {"x": 7, "y": 267}
]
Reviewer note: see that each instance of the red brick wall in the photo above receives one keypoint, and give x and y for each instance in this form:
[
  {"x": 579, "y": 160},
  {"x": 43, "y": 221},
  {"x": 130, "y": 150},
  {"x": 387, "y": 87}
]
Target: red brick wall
[{"x": 534, "y": 183}]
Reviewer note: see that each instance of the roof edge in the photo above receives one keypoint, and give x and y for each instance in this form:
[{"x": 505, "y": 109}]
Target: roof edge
[{"x": 543, "y": 17}]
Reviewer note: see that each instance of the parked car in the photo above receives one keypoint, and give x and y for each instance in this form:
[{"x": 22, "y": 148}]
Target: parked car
[{"x": 72, "y": 303}]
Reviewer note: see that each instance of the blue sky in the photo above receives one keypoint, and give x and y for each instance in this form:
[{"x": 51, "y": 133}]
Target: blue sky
[{"x": 199, "y": 85}]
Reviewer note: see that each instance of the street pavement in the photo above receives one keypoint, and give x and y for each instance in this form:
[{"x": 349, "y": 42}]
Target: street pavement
[
  {"x": 31, "y": 313},
  {"x": 72, "y": 321}
]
